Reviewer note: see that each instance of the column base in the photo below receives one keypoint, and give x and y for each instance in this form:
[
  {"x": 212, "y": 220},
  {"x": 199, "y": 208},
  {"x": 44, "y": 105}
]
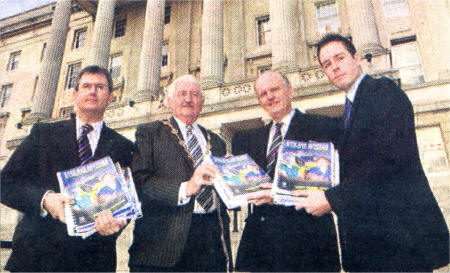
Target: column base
[
  {"x": 143, "y": 95},
  {"x": 285, "y": 67},
  {"x": 210, "y": 82},
  {"x": 35, "y": 117}
]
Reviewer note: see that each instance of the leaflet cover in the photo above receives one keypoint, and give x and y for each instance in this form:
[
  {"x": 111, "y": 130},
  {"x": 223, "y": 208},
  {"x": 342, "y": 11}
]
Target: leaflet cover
[
  {"x": 95, "y": 187},
  {"x": 239, "y": 175},
  {"x": 304, "y": 166}
]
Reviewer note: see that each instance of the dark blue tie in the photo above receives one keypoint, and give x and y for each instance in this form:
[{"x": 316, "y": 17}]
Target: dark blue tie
[
  {"x": 348, "y": 109},
  {"x": 84, "y": 148}
]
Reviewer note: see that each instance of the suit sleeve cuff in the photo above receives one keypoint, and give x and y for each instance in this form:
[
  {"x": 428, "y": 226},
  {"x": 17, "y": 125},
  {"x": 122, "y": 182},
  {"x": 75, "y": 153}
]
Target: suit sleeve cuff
[
  {"x": 182, "y": 199},
  {"x": 43, "y": 212}
]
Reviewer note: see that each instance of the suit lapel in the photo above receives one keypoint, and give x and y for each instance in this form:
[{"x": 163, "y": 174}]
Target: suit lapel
[
  {"x": 361, "y": 94},
  {"x": 64, "y": 138},
  {"x": 105, "y": 143},
  {"x": 176, "y": 141}
]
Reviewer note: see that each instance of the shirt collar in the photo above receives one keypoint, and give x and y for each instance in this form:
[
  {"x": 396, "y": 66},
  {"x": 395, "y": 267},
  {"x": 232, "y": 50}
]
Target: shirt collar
[
  {"x": 183, "y": 126},
  {"x": 97, "y": 126},
  {"x": 352, "y": 91},
  {"x": 286, "y": 122}
]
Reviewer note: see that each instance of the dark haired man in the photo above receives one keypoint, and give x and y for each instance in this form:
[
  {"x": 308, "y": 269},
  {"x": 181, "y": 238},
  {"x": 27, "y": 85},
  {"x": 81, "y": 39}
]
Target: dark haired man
[
  {"x": 29, "y": 184},
  {"x": 388, "y": 217}
]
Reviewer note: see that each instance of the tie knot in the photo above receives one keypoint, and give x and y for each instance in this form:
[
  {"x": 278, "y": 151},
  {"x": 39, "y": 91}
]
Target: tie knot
[
  {"x": 86, "y": 128},
  {"x": 278, "y": 125},
  {"x": 189, "y": 130}
]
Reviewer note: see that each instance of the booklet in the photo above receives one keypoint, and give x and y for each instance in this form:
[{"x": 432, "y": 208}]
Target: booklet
[
  {"x": 95, "y": 187},
  {"x": 304, "y": 166},
  {"x": 239, "y": 175}
]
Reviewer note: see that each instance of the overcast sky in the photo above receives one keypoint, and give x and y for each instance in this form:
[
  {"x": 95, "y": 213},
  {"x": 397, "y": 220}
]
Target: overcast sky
[{"x": 12, "y": 7}]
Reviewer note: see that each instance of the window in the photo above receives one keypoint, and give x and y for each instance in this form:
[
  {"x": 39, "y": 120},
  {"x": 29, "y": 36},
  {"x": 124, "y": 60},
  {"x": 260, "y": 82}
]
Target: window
[
  {"x": 79, "y": 38},
  {"x": 263, "y": 69},
  {"x": 13, "y": 60},
  {"x": 395, "y": 8},
  {"x": 5, "y": 94},
  {"x": 114, "y": 65},
  {"x": 66, "y": 111},
  {"x": 119, "y": 27},
  {"x": 167, "y": 14},
  {"x": 44, "y": 48},
  {"x": 327, "y": 17},
  {"x": 263, "y": 28},
  {"x": 72, "y": 74},
  {"x": 406, "y": 58},
  {"x": 432, "y": 149},
  {"x": 165, "y": 55}
]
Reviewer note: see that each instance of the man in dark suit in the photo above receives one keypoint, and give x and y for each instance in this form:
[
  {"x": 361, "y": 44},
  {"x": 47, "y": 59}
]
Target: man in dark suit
[
  {"x": 185, "y": 226},
  {"x": 278, "y": 238},
  {"x": 29, "y": 184},
  {"x": 388, "y": 217}
]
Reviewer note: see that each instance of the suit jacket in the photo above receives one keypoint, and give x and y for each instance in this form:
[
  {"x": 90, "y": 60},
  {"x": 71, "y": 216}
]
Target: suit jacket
[
  {"x": 41, "y": 243},
  {"x": 278, "y": 238},
  {"x": 389, "y": 219},
  {"x": 160, "y": 165}
]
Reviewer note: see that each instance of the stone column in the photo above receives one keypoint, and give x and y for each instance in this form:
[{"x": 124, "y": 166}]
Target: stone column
[
  {"x": 181, "y": 45},
  {"x": 151, "y": 58},
  {"x": 102, "y": 35},
  {"x": 212, "y": 44},
  {"x": 44, "y": 98},
  {"x": 236, "y": 32},
  {"x": 283, "y": 34},
  {"x": 364, "y": 28}
]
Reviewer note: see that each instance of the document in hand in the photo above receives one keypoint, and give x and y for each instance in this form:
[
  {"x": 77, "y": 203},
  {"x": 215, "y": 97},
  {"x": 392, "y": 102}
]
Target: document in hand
[
  {"x": 239, "y": 175},
  {"x": 304, "y": 166},
  {"x": 95, "y": 187}
]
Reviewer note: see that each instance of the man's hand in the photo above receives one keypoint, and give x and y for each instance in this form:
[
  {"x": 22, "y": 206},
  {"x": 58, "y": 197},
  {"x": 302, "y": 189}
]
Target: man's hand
[
  {"x": 203, "y": 175},
  {"x": 262, "y": 196},
  {"x": 106, "y": 224},
  {"x": 314, "y": 203},
  {"x": 54, "y": 204}
]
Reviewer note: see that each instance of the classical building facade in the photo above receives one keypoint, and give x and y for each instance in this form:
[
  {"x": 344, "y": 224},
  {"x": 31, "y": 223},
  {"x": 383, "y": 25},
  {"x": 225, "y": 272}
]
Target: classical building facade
[{"x": 225, "y": 44}]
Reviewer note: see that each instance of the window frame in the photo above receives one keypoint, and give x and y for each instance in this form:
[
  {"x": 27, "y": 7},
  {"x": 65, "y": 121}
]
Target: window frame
[
  {"x": 70, "y": 77},
  {"x": 122, "y": 29},
  {"x": 79, "y": 38},
  {"x": 14, "y": 59},
  {"x": 5, "y": 94},
  {"x": 260, "y": 32}
]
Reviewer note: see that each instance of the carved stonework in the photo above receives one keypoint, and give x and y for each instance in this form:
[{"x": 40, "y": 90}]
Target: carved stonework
[
  {"x": 311, "y": 77},
  {"x": 237, "y": 90}
]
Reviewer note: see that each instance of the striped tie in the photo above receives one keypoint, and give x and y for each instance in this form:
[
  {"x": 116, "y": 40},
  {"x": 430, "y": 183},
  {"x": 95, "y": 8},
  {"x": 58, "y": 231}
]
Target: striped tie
[
  {"x": 276, "y": 142},
  {"x": 84, "y": 149},
  {"x": 204, "y": 198}
]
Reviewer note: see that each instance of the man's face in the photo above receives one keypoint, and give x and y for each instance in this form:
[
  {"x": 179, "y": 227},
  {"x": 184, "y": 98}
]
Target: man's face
[
  {"x": 186, "y": 103},
  {"x": 273, "y": 95},
  {"x": 93, "y": 95},
  {"x": 341, "y": 68}
]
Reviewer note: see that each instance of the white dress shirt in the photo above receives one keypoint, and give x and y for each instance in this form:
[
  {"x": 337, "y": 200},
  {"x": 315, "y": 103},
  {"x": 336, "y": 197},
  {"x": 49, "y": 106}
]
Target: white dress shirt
[{"x": 286, "y": 122}]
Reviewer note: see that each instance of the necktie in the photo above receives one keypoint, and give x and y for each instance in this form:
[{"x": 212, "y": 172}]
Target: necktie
[
  {"x": 273, "y": 151},
  {"x": 348, "y": 109},
  {"x": 204, "y": 197},
  {"x": 84, "y": 149}
]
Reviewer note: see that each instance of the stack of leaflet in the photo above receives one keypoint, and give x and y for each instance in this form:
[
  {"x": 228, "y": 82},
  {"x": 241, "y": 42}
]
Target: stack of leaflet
[
  {"x": 95, "y": 187},
  {"x": 238, "y": 176},
  {"x": 304, "y": 166}
]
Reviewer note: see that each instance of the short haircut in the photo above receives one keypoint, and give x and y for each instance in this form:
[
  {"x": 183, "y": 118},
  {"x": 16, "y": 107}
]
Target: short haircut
[
  {"x": 285, "y": 79},
  {"x": 95, "y": 69},
  {"x": 334, "y": 37},
  {"x": 186, "y": 78}
]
